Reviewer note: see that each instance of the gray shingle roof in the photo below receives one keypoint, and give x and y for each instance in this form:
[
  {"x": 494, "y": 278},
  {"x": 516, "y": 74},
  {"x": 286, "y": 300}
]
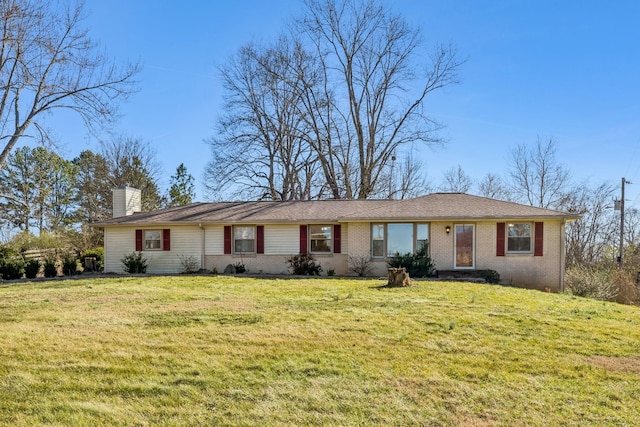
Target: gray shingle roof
[{"x": 436, "y": 206}]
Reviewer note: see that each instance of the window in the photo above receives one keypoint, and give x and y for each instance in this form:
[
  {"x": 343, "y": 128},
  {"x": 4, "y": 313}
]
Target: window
[
  {"x": 519, "y": 237},
  {"x": 320, "y": 238},
  {"x": 244, "y": 240},
  {"x": 399, "y": 239},
  {"x": 377, "y": 240},
  {"x": 152, "y": 240},
  {"x": 422, "y": 237},
  {"x": 402, "y": 238}
]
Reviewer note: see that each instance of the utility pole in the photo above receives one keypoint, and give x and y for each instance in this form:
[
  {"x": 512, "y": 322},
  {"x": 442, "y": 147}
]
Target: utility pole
[{"x": 624, "y": 181}]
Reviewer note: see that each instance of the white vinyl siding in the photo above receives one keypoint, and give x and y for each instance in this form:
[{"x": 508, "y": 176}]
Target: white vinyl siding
[
  {"x": 118, "y": 242},
  {"x": 185, "y": 242},
  {"x": 214, "y": 240},
  {"x": 281, "y": 239}
]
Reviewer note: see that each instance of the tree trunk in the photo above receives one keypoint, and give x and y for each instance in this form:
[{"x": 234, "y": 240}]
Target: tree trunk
[{"x": 398, "y": 277}]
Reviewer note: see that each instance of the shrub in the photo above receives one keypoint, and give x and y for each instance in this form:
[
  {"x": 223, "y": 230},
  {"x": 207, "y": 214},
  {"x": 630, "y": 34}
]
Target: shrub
[
  {"x": 491, "y": 276},
  {"x": 11, "y": 269},
  {"x": 417, "y": 265},
  {"x": 591, "y": 282},
  {"x": 629, "y": 289},
  {"x": 7, "y": 252},
  {"x": 190, "y": 264},
  {"x": 31, "y": 268},
  {"x": 134, "y": 263},
  {"x": 70, "y": 266},
  {"x": 304, "y": 265},
  {"x": 239, "y": 268},
  {"x": 50, "y": 268},
  {"x": 360, "y": 264}
]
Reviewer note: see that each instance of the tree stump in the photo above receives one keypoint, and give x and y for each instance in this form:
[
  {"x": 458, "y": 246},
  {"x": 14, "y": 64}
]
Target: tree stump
[{"x": 398, "y": 277}]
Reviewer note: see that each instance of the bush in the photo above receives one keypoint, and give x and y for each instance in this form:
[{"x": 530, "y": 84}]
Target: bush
[
  {"x": 629, "y": 289},
  {"x": 190, "y": 264},
  {"x": 134, "y": 263},
  {"x": 360, "y": 264},
  {"x": 31, "y": 268},
  {"x": 304, "y": 265},
  {"x": 7, "y": 252},
  {"x": 491, "y": 276},
  {"x": 591, "y": 282},
  {"x": 417, "y": 265},
  {"x": 70, "y": 266},
  {"x": 50, "y": 268},
  {"x": 11, "y": 269},
  {"x": 239, "y": 268}
]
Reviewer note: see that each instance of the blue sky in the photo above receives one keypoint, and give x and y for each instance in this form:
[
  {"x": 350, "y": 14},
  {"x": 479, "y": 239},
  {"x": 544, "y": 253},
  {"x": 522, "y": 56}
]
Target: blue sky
[{"x": 564, "y": 70}]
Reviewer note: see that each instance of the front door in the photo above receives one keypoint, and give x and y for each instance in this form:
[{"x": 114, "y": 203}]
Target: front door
[{"x": 464, "y": 245}]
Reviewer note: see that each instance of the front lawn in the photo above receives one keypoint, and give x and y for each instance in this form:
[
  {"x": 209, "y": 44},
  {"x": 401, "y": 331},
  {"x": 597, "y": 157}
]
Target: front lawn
[{"x": 214, "y": 350}]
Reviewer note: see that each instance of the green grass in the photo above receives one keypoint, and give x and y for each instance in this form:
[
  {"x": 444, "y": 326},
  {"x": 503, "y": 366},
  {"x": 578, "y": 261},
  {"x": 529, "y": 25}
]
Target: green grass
[{"x": 242, "y": 351}]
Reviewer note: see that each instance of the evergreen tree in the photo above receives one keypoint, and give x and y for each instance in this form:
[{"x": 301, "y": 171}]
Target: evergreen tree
[{"x": 182, "y": 190}]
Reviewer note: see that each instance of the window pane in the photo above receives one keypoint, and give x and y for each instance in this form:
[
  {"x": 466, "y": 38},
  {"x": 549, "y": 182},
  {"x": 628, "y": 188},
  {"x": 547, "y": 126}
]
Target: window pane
[
  {"x": 377, "y": 248},
  {"x": 519, "y": 237},
  {"x": 244, "y": 233},
  {"x": 320, "y": 246},
  {"x": 399, "y": 239},
  {"x": 422, "y": 237},
  {"x": 245, "y": 246},
  {"x": 320, "y": 231},
  {"x": 377, "y": 240}
]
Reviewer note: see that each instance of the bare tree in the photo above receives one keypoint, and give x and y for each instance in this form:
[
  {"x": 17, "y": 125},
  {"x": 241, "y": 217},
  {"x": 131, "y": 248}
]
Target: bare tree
[
  {"x": 494, "y": 187},
  {"x": 410, "y": 180},
  {"x": 48, "y": 62},
  {"x": 538, "y": 178},
  {"x": 323, "y": 112},
  {"x": 455, "y": 180},
  {"x": 632, "y": 227},
  {"x": 589, "y": 237},
  {"x": 369, "y": 56},
  {"x": 261, "y": 143}
]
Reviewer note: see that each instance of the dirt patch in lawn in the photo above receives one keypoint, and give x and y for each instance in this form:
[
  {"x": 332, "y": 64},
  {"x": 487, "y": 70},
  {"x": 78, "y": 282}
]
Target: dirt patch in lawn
[{"x": 617, "y": 364}]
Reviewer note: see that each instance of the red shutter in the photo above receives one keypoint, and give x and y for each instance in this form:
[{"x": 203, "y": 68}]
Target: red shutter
[
  {"x": 538, "y": 238},
  {"x": 337, "y": 239},
  {"x": 227, "y": 239},
  {"x": 166, "y": 239},
  {"x": 138, "y": 240},
  {"x": 500, "y": 236},
  {"x": 260, "y": 239},
  {"x": 303, "y": 239}
]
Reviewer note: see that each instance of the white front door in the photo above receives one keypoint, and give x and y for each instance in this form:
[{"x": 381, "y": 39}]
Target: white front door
[{"x": 464, "y": 246}]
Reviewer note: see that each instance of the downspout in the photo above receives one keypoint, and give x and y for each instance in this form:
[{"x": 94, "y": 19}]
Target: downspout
[
  {"x": 563, "y": 254},
  {"x": 202, "y": 236}
]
